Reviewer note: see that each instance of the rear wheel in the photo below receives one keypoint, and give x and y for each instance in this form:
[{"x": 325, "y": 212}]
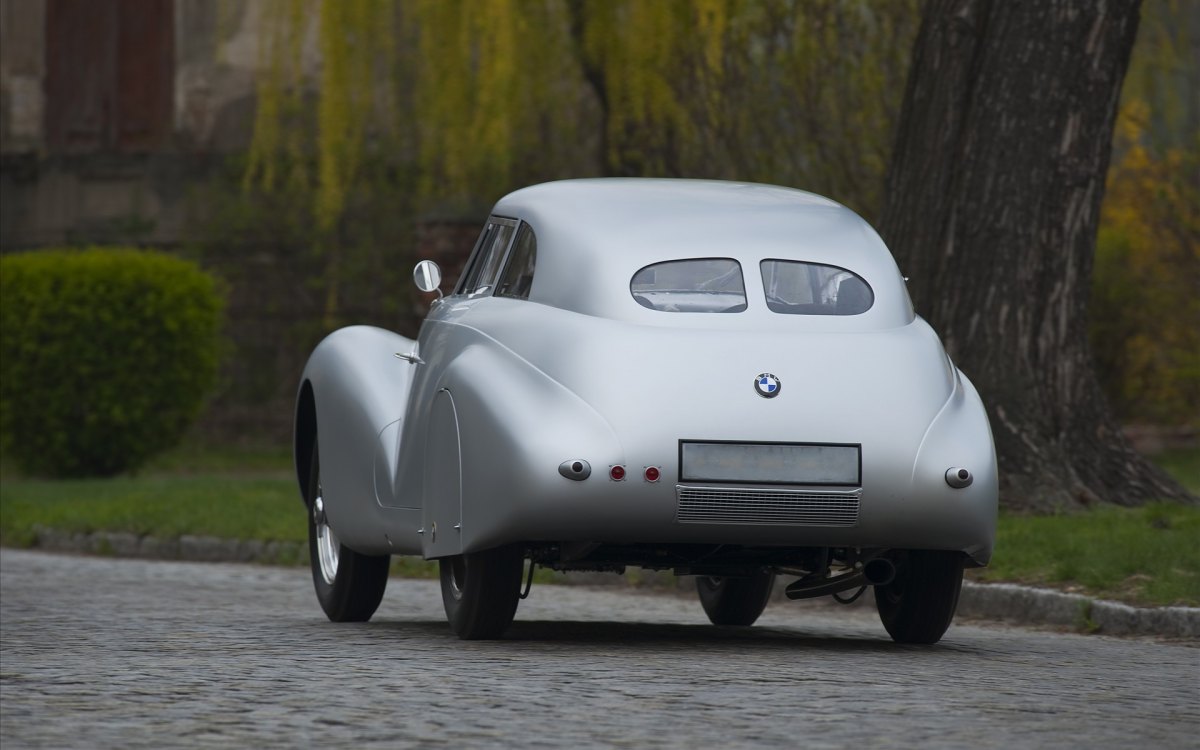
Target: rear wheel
[
  {"x": 735, "y": 601},
  {"x": 918, "y": 605},
  {"x": 349, "y": 585},
  {"x": 480, "y": 591}
]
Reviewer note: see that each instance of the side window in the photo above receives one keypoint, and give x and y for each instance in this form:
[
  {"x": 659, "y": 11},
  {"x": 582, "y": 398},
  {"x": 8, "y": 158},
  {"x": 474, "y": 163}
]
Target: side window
[
  {"x": 489, "y": 267},
  {"x": 484, "y": 267},
  {"x": 471, "y": 270},
  {"x": 518, "y": 274}
]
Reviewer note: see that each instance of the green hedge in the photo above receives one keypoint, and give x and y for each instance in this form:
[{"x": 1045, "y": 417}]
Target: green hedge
[{"x": 106, "y": 356}]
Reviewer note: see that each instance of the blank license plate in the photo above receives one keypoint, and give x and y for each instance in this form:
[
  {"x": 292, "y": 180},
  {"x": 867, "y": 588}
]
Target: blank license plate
[{"x": 770, "y": 463}]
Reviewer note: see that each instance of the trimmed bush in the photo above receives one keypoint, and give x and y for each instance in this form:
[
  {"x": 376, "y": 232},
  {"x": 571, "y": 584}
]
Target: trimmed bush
[{"x": 106, "y": 356}]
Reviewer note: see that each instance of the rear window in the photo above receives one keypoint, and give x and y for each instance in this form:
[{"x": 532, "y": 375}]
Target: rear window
[
  {"x": 795, "y": 288},
  {"x": 706, "y": 285}
]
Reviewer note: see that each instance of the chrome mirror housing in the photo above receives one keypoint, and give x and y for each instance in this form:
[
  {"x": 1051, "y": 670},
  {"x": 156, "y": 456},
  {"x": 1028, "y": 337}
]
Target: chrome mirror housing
[{"x": 428, "y": 276}]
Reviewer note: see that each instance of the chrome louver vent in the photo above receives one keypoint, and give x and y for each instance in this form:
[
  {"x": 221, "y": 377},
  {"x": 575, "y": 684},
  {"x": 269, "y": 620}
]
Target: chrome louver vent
[{"x": 767, "y": 506}]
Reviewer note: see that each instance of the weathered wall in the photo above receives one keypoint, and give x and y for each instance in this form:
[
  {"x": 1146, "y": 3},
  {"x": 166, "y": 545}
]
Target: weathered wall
[
  {"x": 81, "y": 185},
  {"x": 133, "y": 194},
  {"x": 216, "y": 60},
  {"x": 22, "y": 66}
]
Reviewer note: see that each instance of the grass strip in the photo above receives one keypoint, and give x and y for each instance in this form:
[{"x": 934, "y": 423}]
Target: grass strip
[
  {"x": 1184, "y": 465},
  {"x": 1146, "y": 555},
  {"x": 235, "y": 507}
]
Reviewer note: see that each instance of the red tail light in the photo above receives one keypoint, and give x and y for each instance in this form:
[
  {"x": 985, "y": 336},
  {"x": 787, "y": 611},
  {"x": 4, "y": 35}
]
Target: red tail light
[
  {"x": 652, "y": 474},
  {"x": 617, "y": 473}
]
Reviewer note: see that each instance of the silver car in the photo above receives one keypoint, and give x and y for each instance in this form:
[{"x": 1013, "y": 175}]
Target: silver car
[{"x": 725, "y": 380}]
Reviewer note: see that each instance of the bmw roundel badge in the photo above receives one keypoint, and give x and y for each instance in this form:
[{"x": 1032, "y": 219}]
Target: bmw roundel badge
[{"x": 767, "y": 385}]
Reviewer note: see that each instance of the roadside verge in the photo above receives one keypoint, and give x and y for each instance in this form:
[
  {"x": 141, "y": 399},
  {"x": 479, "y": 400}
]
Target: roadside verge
[{"x": 1002, "y": 602}]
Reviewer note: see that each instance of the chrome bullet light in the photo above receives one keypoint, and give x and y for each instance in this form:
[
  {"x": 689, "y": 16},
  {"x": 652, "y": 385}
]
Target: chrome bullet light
[
  {"x": 958, "y": 478},
  {"x": 576, "y": 469}
]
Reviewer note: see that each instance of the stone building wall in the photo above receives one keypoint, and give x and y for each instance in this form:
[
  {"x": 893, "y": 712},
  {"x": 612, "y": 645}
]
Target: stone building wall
[
  {"x": 55, "y": 194},
  {"x": 215, "y": 65},
  {"x": 22, "y": 65}
]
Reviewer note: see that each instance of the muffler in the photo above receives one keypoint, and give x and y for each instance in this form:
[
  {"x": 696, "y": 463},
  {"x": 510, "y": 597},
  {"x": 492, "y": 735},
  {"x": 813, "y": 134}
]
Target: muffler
[{"x": 878, "y": 571}]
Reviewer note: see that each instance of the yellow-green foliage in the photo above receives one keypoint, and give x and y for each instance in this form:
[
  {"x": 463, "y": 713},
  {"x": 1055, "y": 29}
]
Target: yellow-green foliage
[
  {"x": 106, "y": 357},
  {"x": 466, "y": 94},
  {"x": 644, "y": 49},
  {"x": 1145, "y": 310},
  {"x": 316, "y": 148},
  {"x": 500, "y": 93},
  {"x": 279, "y": 132},
  {"x": 357, "y": 52},
  {"x": 1146, "y": 296},
  {"x": 803, "y": 94},
  {"x": 499, "y": 100}
]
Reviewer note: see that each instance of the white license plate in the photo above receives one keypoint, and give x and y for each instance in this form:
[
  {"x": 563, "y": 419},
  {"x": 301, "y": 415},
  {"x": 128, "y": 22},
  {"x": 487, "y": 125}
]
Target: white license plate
[{"x": 770, "y": 463}]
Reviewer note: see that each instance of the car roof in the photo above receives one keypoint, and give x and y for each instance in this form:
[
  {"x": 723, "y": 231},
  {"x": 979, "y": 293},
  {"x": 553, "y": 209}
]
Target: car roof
[{"x": 594, "y": 234}]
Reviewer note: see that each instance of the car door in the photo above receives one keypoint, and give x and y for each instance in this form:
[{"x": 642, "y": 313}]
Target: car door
[{"x": 429, "y": 473}]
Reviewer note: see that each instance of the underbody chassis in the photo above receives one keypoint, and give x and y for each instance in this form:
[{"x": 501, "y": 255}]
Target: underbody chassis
[{"x": 819, "y": 571}]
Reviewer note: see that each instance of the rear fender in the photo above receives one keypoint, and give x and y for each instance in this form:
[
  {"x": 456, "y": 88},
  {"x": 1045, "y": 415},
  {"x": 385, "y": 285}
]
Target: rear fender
[
  {"x": 353, "y": 389},
  {"x": 516, "y": 425},
  {"x": 960, "y": 437}
]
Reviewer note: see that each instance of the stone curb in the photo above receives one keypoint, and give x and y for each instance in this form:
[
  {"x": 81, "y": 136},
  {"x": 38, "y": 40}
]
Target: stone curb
[
  {"x": 1002, "y": 602},
  {"x": 1008, "y": 602},
  {"x": 186, "y": 547}
]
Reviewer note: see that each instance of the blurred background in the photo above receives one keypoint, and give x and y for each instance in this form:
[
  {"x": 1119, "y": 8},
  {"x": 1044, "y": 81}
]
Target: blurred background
[
  {"x": 287, "y": 162},
  {"x": 307, "y": 153}
]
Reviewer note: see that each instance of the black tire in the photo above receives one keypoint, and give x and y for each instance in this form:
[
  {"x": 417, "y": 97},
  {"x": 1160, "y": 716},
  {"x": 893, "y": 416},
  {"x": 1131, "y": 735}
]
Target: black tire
[
  {"x": 350, "y": 585},
  {"x": 919, "y": 604},
  {"x": 481, "y": 590},
  {"x": 735, "y": 601}
]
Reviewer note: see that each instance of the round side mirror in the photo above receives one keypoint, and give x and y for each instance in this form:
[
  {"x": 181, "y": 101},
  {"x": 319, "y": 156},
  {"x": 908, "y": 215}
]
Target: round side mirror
[{"x": 427, "y": 276}]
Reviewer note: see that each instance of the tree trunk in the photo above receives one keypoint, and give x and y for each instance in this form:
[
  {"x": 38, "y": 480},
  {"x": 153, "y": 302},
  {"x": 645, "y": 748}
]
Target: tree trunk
[{"x": 992, "y": 206}]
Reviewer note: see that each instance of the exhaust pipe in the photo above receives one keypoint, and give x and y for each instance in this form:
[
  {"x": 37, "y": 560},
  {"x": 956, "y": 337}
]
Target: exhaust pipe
[
  {"x": 879, "y": 571},
  {"x": 812, "y": 587}
]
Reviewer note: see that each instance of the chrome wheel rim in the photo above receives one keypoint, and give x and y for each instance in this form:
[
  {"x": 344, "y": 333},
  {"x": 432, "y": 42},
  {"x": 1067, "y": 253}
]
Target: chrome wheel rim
[
  {"x": 458, "y": 575},
  {"x": 327, "y": 543}
]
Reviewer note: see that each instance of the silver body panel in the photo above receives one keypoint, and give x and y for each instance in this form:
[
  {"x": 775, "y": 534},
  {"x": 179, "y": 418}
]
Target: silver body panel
[{"x": 459, "y": 447}]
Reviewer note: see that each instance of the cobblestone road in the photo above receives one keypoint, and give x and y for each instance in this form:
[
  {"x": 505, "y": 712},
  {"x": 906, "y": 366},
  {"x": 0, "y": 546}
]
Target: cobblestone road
[{"x": 121, "y": 653}]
